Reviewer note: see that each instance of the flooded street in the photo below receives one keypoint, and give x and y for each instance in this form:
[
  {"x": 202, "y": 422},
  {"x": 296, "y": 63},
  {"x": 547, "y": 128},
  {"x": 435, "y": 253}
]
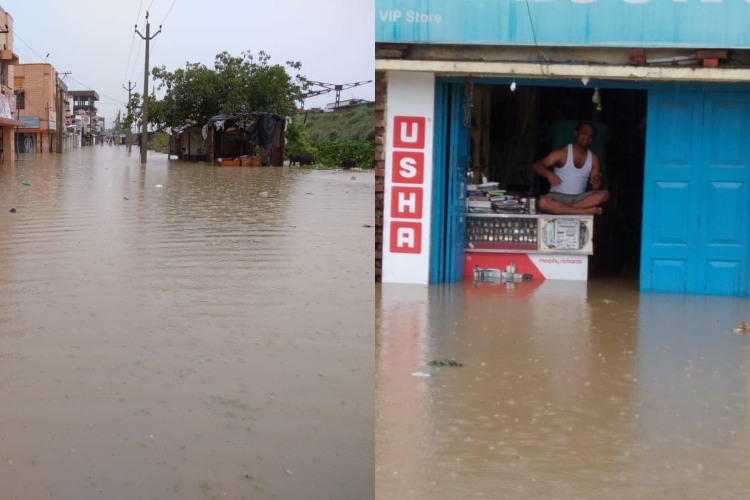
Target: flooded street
[
  {"x": 177, "y": 330},
  {"x": 568, "y": 390}
]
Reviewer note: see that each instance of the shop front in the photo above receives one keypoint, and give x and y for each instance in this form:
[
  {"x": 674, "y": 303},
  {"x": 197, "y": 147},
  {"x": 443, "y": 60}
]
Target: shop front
[
  {"x": 474, "y": 95},
  {"x": 7, "y": 128}
]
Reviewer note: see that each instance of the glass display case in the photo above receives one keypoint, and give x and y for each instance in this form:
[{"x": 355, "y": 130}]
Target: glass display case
[{"x": 526, "y": 233}]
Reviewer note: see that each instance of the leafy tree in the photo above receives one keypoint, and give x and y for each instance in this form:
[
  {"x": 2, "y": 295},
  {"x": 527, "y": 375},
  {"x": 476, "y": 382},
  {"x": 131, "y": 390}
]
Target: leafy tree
[
  {"x": 235, "y": 84},
  {"x": 134, "y": 111},
  {"x": 296, "y": 139},
  {"x": 133, "y": 115}
]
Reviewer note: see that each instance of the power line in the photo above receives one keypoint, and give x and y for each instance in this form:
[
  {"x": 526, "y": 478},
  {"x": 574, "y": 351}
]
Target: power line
[
  {"x": 117, "y": 101},
  {"x": 153, "y": 46},
  {"x": 170, "y": 10},
  {"x": 16, "y": 35},
  {"x": 130, "y": 55},
  {"x": 132, "y": 40},
  {"x": 140, "y": 42}
]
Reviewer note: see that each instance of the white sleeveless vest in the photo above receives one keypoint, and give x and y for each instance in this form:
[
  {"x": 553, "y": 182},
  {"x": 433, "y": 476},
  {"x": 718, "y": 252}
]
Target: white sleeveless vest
[{"x": 574, "y": 180}]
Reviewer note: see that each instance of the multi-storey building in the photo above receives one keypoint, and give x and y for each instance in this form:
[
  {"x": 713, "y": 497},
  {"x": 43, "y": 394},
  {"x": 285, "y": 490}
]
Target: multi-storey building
[
  {"x": 7, "y": 97},
  {"x": 36, "y": 101},
  {"x": 84, "y": 108}
]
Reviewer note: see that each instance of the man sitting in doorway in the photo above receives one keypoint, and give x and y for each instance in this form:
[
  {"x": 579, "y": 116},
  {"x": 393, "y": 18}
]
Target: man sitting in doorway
[{"x": 569, "y": 170}]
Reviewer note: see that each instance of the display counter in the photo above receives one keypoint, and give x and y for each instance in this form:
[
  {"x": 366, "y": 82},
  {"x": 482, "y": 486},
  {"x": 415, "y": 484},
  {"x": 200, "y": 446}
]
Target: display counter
[{"x": 544, "y": 246}]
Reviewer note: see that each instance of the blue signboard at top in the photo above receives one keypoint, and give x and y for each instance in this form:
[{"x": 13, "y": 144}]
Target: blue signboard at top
[
  {"x": 31, "y": 121},
  {"x": 600, "y": 23}
]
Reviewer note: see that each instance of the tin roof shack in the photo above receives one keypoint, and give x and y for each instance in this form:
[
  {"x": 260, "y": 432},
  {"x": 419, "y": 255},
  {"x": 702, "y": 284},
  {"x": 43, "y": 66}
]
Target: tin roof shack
[
  {"x": 231, "y": 137},
  {"x": 187, "y": 143}
]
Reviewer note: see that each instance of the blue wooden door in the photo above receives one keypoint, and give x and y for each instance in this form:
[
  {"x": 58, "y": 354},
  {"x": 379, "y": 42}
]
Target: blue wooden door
[
  {"x": 448, "y": 228},
  {"x": 696, "y": 214}
]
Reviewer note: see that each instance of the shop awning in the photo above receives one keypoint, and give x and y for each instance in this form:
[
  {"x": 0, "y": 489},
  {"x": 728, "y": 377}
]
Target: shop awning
[{"x": 13, "y": 123}]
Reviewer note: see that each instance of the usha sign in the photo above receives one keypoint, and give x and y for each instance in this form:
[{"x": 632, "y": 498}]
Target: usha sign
[
  {"x": 604, "y": 23},
  {"x": 407, "y": 191}
]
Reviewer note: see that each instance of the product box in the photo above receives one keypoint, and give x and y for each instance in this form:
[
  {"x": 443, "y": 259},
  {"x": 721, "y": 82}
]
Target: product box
[{"x": 566, "y": 234}]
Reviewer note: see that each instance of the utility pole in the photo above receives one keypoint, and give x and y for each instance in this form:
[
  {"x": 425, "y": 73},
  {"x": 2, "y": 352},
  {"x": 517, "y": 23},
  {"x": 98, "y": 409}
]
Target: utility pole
[
  {"x": 146, "y": 72},
  {"x": 61, "y": 125},
  {"x": 129, "y": 138},
  {"x": 49, "y": 135}
]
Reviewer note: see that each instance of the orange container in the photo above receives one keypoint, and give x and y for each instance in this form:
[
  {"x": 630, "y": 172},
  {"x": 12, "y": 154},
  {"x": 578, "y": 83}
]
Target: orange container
[
  {"x": 250, "y": 161},
  {"x": 230, "y": 162}
]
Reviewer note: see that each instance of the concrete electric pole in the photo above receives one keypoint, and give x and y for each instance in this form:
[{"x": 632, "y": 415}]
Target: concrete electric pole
[
  {"x": 49, "y": 134},
  {"x": 129, "y": 138},
  {"x": 62, "y": 125},
  {"x": 146, "y": 72}
]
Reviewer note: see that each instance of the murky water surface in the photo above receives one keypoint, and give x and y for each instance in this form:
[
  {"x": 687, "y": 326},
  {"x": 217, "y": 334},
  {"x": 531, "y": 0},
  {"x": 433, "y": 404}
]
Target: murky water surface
[
  {"x": 184, "y": 331},
  {"x": 567, "y": 391}
]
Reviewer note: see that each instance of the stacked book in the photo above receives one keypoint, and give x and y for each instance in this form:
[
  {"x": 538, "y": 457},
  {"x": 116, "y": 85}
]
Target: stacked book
[{"x": 489, "y": 198}]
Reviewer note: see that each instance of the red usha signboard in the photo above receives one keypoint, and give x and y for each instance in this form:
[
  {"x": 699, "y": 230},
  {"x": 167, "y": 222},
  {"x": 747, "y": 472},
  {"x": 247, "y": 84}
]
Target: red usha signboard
[{"x": 407, "y": 184}]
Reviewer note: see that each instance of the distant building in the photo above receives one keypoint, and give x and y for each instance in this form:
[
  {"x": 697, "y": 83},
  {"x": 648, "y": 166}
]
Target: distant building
[
  {"x": 84, "y": 106},
  {"x": 345, "y": 104}
]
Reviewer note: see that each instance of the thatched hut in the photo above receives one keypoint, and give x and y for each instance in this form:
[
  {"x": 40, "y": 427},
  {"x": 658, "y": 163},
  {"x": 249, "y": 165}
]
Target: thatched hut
[
  {"x": 257, "y": 136},
  {"x": 187, "y": 143}
]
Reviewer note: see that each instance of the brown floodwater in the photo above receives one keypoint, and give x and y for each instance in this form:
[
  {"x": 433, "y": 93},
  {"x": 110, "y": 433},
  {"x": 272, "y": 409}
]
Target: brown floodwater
[
  {"x": 568, "y": 390},
  {"x": 177, "y": 330}
]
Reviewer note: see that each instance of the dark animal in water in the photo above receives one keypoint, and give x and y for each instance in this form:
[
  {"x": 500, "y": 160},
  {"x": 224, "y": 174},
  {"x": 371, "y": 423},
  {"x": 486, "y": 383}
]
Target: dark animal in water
[
  {"x": 301, "y": 159},
  {"x": 348, "y": 163}
]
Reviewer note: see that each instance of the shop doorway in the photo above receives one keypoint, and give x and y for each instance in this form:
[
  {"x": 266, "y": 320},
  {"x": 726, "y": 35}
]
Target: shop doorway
[
  {"x": 514, "y": 125},
  {"x": 451, "y": 164},
  {"x": 678, "y": 219},
  {"x": 26, "y": 143}
]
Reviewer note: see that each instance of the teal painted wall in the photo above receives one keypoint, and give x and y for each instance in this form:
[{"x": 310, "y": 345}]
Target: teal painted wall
[{"x": 604, "y": 23}]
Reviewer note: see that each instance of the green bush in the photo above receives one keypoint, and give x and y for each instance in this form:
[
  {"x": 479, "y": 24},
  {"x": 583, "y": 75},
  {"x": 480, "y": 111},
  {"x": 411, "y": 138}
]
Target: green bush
[
  {"x": 332, "y": 137},
  {"x": 160, "y": 143},
  {"x": 331, "y": 153},
  {"x": 296, "y": 139}
]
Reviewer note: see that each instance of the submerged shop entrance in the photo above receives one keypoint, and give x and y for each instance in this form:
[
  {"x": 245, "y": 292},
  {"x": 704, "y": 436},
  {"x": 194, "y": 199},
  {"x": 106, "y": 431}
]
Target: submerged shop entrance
[
  {"x": 513, "y": 125},
  {"x": 689, "y": 234}
]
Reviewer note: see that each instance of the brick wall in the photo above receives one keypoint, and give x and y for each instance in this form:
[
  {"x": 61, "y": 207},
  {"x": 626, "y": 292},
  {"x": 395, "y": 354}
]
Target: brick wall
[{"x": 381, "y": 99}]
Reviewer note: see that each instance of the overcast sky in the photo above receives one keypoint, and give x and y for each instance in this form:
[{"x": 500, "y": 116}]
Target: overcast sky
[{"x": 95, "y": 40}]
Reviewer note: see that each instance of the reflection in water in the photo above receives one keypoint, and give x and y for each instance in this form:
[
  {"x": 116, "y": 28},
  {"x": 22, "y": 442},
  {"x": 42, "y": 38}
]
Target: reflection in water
[
  {"x": 177, "y": 330},
  {"x": 567, "y": 390}
]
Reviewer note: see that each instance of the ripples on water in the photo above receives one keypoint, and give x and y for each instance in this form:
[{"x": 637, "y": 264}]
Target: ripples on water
[
  {"x": 176, "y": 330},
  {"x": 568, "y": 390}
]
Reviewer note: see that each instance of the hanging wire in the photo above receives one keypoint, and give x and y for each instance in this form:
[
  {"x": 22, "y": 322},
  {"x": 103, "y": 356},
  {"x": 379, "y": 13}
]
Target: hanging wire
[
  {"x": 17, "y": 36},
  {"x": 468, "y": 100},
  {"x": 130, "y": 53},
  {"x": 170, "y": 10},
  {"x": 536, "y": 44}
]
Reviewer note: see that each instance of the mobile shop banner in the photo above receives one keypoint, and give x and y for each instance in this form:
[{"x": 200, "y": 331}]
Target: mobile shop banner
[{"x": 604, "y": 23}]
